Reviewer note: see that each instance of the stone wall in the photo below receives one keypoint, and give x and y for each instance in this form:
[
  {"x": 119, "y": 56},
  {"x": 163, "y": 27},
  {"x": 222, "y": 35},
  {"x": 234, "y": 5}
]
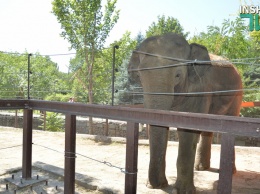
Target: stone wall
[{"x": 110, "y": 128}]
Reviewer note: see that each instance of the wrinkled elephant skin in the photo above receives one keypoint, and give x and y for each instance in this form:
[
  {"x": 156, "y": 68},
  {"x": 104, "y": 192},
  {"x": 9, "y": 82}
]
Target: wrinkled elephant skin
[{"x": 196, "y": 77}]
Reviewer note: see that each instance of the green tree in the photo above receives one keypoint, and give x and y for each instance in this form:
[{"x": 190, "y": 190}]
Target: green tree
[
  {"x": 86, "y": 28},
  {"x": 139, "y": 38},
  {"x": 126, "y": 46},
  {"x": 231, "y": 40},
  {"x": 46, "y": 79},
  {"x": 165, "y": 25},
  {"x": 102, "y": 71},
  {"x": 14, "y": 79}
]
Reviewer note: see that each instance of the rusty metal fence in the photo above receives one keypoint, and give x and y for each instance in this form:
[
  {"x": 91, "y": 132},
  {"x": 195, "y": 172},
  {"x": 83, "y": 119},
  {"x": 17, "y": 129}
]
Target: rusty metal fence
[{"x": 229, "y": 126}]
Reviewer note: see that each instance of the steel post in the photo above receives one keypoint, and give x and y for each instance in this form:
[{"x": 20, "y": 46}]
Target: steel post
[
  {"x": 70, "y": 156},
  {"x": 131, "y": 158},
  {"x": 27, "y": 144},
  {"x": 226, "y": 163}
]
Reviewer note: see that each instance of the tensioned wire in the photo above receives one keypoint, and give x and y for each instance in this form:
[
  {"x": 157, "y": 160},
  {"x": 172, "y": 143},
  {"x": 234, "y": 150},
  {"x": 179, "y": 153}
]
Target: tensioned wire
[
  {"x": 198, "y": 61},
  {"x": 75, "y": 153},
  {"x": 193, "y": 93},
  {"x": 184, "y": 62},
  {"x": 141, "y": 52},
  {"x": 187, "y": 62},
  {"x": 84, "y": 156}
]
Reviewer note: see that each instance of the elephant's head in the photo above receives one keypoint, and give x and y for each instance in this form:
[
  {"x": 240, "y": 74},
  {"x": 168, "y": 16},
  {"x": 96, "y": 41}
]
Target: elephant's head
[{"x": 165, "y": 80}]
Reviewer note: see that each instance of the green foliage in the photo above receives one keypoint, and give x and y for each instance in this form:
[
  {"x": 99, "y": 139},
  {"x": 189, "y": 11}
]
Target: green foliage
[
  {"x": 44, "y": 76},
  {"x": 124, "y": 87},
  {"x": 229, "y": 40},
  {"x": 165, "y": 25},
  {"x": 13, "y": 81},
  {"x": 104, "y": 82},
  {"x": 86, "y": 27},
  {"x": 58, "y": 97},
  {"x": 54, "y": 122},
  {"x": 102, "y": 71},
  {"x": 139, "y": 38},
  {"x": 83, "y": 23}
]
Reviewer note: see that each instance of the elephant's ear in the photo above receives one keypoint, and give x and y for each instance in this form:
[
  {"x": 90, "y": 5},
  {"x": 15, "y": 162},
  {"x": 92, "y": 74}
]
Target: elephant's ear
[
  {"x": 197, "y": 70},
  {"x": 133, "y": 65}
]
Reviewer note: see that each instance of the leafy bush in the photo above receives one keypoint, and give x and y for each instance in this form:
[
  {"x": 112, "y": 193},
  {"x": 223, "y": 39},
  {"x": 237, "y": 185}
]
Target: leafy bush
[{"x": 54, "y": 122}]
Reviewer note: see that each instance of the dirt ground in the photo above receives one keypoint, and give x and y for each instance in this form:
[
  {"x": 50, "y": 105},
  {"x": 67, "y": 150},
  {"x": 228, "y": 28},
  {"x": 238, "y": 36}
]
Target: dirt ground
[{"x": 98, "y": 165}]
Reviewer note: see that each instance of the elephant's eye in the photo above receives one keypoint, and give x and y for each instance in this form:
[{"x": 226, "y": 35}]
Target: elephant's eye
[{"x": 178, "y": 75}]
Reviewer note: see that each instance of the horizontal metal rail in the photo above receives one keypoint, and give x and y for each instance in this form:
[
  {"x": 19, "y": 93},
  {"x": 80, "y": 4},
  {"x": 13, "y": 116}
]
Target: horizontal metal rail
[
  {"x": 13, "y": 104},
  {"x": 228, "y": 125},
  {"x": 195, "y": 121}
]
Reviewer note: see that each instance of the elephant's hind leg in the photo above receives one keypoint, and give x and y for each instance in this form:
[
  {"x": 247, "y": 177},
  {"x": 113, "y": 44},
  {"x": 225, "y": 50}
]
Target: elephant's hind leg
[{"x": 203, "y": 153}]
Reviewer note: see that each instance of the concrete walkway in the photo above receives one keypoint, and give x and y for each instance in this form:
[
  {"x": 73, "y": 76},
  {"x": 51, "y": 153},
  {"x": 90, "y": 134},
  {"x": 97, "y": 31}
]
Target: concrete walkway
[{"x": 93, "y": 174}]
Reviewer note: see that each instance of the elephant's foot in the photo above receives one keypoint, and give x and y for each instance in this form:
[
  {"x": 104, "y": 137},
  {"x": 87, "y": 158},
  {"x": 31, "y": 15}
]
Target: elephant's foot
[
  {"x": 181, "y": 188},
  {"x": 201, "y": 166},
  {"x": 157, "y": 185}
]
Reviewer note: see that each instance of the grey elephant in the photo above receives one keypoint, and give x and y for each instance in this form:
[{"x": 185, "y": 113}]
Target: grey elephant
[{"x": 163, "y": 65}]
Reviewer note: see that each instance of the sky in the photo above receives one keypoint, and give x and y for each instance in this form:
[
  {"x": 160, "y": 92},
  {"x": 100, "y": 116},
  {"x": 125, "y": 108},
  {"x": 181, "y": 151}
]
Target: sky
[{"x": 29, "y": 25}]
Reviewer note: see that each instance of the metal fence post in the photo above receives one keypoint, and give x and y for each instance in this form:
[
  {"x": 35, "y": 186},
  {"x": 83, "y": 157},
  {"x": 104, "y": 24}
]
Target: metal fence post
[
  {"x": 27, "y": 144},
  {"x": 70, "y": 149},
  {"x": 131, "y": 157},
  {"x": 226, "y": 163}
]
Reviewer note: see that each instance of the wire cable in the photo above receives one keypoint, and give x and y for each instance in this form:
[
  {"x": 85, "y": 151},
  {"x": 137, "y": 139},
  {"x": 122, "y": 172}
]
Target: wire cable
[
  {"x": 93, "y": 159},
  {"x": 198, "y": 61},
  {"x": 194, "y": 93},
  {"x": 11, "y": 147}
]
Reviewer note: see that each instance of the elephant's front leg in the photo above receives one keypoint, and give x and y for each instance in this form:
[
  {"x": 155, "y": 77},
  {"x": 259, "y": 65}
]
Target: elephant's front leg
[
  {"x": 185, "y": 162},
  {"x": 158, "y": 137},
  {"x": 203, "y": 154}
]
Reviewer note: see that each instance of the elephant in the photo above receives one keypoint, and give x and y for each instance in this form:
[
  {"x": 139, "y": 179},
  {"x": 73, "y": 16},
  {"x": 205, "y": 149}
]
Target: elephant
[{"x": 167, "y": 65}]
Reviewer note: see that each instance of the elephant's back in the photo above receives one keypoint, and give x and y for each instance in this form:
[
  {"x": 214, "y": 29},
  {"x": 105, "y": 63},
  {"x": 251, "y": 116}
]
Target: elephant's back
[{"x": 217, "y": 60}]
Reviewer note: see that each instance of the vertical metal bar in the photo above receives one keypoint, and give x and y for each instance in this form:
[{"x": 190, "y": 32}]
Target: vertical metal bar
[
  {"x": 226, "y": 163},
  {"x": 29, "y": 71},
  {"x": 70, "y": 149},
  {"x": 131, "y": 157},
  {"x": 113, "y": 72},
  {"x": 27, "y": 144}
]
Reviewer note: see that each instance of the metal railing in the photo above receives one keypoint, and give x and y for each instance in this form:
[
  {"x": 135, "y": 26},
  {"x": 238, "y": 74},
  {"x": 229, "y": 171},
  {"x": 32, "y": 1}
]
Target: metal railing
[{"x": 229, "y": 126}]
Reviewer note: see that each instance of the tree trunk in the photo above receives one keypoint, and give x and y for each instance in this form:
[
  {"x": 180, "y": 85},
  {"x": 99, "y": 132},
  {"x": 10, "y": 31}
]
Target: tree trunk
[{"x": 90, "y": 97}]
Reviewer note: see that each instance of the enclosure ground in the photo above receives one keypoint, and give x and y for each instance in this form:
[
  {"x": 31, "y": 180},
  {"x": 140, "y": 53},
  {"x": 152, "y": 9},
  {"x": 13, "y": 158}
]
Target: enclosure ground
[{"x": 99, "y": 163}]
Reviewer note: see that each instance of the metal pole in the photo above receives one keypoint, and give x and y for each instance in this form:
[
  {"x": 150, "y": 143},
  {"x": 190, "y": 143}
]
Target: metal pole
[
  {"x": 28, "y": 84},
  {"x": 227, "y": 159},
  {"x": 131, "y": 158},
  {"x": 113, "y": 72},
  {"x": 70, "y": 156},
  {"x": 27, "y": 144}
]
